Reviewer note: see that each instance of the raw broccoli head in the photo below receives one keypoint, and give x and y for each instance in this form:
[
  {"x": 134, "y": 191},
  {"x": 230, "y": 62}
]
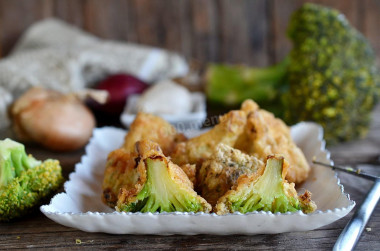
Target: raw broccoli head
[
  {"x": 24, "y": 181},
  {"x": 332, "y": 73},
  {"x": 330, "y": 76},
  {"x": 162, "y": 186},
  {"x": 268, "y": 192}
]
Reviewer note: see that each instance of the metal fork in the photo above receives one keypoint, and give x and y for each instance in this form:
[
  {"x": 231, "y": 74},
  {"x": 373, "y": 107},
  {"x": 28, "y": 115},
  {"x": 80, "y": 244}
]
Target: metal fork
[{"x": 351, "y": 233}]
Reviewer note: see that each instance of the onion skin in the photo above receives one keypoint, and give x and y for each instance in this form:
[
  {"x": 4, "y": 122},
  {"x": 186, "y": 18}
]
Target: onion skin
[
  {"x": 119, "y": 87},
  {"x": 56, "y": 121}
]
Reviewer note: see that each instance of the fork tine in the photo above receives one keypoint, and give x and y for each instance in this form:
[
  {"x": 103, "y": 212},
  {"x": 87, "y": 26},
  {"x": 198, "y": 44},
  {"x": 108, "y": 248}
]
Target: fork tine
[{"x": 350, "y": 170}]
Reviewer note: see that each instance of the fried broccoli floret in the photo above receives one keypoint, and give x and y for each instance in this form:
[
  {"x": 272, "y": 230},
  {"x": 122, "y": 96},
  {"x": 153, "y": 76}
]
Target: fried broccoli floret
[
  {"x": 24, "y": 181},
  {"x": 201, "y": 148},
  {"x": 120, "y": 172},
  {"x": 162, "y": 186},
  {"x": 151, "y": 127},
  {"x": 218, "y": 174},
  {"x": 330, "y": 76},
  {"x": 267, "y": 192},
  {"x": 266, "y": 135}
]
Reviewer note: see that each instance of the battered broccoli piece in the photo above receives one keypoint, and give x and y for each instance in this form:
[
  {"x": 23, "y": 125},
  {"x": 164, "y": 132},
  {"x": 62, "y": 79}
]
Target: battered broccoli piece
[
  {"x": 330, "y": 76},
  {"x": 218, "y": 174},
  {"x": 24, "y": 181},
  {"x": 120, "y": 172},
  {"x": 268, "y": 192},
  {"x": 162, "y": 186}
]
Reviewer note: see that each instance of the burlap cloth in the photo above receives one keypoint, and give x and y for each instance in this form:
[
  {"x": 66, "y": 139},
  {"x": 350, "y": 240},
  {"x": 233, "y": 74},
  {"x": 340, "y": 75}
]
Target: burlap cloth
[{"x": 56, "y": 55}]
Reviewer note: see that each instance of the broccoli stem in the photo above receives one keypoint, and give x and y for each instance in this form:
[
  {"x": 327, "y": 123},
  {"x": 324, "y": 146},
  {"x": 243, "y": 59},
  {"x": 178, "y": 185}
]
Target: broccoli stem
[
  {"x": 232, "y": 84},
  {"x": 6, "y": 173},
  {"x": 13, "y": 161}
]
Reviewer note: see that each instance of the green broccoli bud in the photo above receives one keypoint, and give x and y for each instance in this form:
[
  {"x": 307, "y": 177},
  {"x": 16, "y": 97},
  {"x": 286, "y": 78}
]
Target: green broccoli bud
[
  {"x": 332, "y": 74},
  {"x": 24, "y": 181},
  {"x": 268, "y": 192},
  {"x": 162, "y": 192}
]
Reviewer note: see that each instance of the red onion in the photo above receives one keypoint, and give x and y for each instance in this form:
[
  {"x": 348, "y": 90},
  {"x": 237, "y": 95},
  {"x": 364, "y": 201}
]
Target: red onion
[{"x": 120, "y": 87}]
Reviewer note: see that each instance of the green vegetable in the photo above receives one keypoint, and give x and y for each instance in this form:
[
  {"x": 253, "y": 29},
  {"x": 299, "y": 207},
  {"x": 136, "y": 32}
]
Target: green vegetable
[
  {"x": 330, "y": 76},
  {"x": 269, "y": 192},
  {"x": 232, "y": 84},
  {"x": 163, "y": 193},
  {"x": 24, "y": 181}
]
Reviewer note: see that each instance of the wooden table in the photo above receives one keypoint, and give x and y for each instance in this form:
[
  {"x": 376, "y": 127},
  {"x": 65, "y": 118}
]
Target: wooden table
[{"x": 37, "y": 231}]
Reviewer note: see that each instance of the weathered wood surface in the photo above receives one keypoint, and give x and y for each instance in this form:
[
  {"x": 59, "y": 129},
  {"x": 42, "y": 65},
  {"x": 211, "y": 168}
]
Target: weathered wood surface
[
  {"x": 236, "y": 31},
  {"x": 243, "y": 31},
  {"x": 37, "y": 231}
]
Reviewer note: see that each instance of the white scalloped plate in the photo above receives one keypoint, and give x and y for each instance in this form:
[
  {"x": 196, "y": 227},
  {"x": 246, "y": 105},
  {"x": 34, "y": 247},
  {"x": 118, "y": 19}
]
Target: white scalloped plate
[{"x": 80, "y": 205}]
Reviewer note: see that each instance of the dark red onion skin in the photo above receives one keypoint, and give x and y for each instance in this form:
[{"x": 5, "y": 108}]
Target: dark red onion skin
[{"x": 119, "y": 87}]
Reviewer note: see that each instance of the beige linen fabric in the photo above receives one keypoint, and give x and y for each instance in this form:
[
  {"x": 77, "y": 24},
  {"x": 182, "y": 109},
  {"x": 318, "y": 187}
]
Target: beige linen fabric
[{"x": 56, "y": 55}]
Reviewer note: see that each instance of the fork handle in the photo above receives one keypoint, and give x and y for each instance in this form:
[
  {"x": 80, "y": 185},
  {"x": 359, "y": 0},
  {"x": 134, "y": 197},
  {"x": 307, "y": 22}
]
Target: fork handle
[{"x": 351, "y": 233}]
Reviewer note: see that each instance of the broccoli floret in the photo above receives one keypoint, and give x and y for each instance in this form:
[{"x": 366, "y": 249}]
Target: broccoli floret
[
  {"x": 330, "y": 76},
  {"x": 268, "y": 192},
  {"x": 24, "y": 181},
  {"x": 163, "y": 186},
  {"x": 332, "y": 73}
]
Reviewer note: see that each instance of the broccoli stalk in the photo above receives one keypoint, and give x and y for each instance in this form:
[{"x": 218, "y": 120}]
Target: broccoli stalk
[
  {"x": 232, "y": 84},
  {"x": 161, "y": 192},
  {"x": 330, "y": 76},
  {"x": 24, "y": 181},
  {"x": 13, "y": 161},
  {"x": 268, "y": 192}
]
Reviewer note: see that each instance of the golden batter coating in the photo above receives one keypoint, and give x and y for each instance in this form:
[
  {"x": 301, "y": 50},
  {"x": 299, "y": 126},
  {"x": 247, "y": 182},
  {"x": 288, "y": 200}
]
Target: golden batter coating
[
  {"x": 151, "y": 127},
  {"x": 218, "y": 174},
  {"x": 120, "y": 173},
  {"x": 201, "y": 148},
  {"x": 266, "y": 135},
  {"x": 191, "y": 172}
]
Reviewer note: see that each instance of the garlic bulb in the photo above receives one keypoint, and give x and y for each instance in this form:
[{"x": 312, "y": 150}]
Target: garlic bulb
[{"x": 165, "y": 97}]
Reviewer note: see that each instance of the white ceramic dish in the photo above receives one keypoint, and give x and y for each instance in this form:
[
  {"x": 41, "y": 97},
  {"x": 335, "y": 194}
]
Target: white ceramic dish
[
  {"x": 80, "y": 205},
  {"x": 182, "y": 122}
]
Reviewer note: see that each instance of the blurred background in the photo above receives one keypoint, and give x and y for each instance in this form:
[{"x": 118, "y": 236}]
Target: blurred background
[
  {"x": 241, "y": 31},
  {"x": 336, "y": 68}
]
